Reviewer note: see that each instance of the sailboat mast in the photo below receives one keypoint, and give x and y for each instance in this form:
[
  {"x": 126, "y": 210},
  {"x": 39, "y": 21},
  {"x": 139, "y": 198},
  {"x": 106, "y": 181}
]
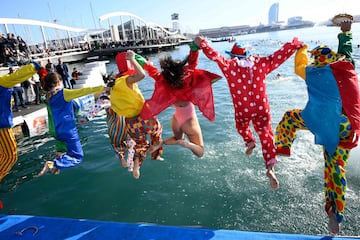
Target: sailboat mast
[{"x": 92, "y": 12}]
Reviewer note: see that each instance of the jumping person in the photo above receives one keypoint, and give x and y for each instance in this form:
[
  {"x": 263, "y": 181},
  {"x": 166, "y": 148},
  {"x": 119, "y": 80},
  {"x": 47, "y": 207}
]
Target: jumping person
[
  {"x": 246, "y": 76},
  {"x": 332, "y": 114},
  {"x": 182, "y": 85},
  {"x": 62, "y": 124},
  {"x": 127, "y": 100},
  {"x": 8, "y": 145}
]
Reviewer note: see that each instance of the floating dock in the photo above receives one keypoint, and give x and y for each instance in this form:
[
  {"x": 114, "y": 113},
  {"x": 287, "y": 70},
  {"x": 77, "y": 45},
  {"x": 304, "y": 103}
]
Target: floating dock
[{"x": 25, "y": 227}]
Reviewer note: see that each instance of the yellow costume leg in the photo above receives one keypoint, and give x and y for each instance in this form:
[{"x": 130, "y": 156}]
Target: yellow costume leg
[
  {"x": 285, "y": 132},
  {"x": 8, "y": 151},
  {"x": 335, "y": 174}
]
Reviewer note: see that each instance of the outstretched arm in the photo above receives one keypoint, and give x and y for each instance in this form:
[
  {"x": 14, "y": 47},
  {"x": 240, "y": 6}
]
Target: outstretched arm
[
  {"x": 211, "y": 53},
  {"x": 70, "y": 94},
  {"x": 19, "y": 76},
  {"x": 140, "y": 74},
  {"x": 345, "y": 41},
  {"x": 147, "y": 65},
  {"x": 194, "y": 55},
  {"x": 301, "y": 61},
  {"x": 282, "y": 54}
]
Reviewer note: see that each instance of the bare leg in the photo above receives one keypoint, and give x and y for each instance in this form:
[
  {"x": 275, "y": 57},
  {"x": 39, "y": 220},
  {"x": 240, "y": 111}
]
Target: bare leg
[
  {"x": 136, "y": 170},
  {"x": 333, "y": 225},
  {"x": 250, "y": 147},
  {"x": 58, "y": 154},
  {"x": 196, "y": 149},
  {"x": 171, "y": 141},
  {"x": 48, "y": 166},
  {"x": 153, "y": 148},
  {"x": 270, "y": 173},
  {"x": 191, "y": 128},
  {"x": 122, "y": 160}
]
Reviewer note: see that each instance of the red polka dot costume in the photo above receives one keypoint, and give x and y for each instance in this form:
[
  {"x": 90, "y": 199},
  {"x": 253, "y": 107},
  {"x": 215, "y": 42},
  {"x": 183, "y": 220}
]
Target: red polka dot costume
[{"x": 246, "y": 77}]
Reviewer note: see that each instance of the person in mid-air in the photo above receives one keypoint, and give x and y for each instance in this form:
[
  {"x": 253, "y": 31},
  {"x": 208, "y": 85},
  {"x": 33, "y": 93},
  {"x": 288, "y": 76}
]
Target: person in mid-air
[
  {"x": 62, "y": 123},
  {"x": 127, "y": 101},
  {"x": 184, "y": 86},
  {"x": 246, "y": 75},
  {"x": 332, "y": 114},
  {"x": 8, "y": 145}
]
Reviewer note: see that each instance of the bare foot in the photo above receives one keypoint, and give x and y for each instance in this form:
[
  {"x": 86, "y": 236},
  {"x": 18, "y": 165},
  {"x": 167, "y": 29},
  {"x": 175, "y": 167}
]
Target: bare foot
[
  {"x": 48, "y": 166},
  {"x": 136, "y": 170},
  {"x": 158, "y": 158},
  {"x": 333, "y": 225},
  {"x": 274, "y": 183},
  {"x": 58, "y": 154},
  {"x": 153, "y": 148},
  {"x": 123, "y": 161},
  {"x": 250, "y": 147},
  {"x": 182, "y": 142},
  {"x": 172, "y": 141}
]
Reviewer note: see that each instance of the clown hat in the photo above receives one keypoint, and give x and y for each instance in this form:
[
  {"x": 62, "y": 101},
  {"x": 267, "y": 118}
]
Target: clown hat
[
  {"x": 323, "y": 55},
  {"x": 238, "y": 50},
  {"x": 124, "y": 65}
]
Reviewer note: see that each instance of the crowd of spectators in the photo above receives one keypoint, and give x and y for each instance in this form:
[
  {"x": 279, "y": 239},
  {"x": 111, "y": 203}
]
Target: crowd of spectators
[
  {"x": 13, "y": 50},
  {"x": 132, "y": 43},
  {"x": 29, "y": 92}
]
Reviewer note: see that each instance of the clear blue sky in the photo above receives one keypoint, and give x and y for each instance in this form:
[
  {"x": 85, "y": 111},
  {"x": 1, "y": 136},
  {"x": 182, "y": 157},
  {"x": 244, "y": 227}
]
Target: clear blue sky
[{"x": 193, "y": 15}]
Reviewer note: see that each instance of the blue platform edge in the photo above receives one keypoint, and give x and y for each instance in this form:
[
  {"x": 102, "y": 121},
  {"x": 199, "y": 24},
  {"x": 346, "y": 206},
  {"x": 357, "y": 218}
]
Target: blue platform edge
[{"x": 52, "y": 228}]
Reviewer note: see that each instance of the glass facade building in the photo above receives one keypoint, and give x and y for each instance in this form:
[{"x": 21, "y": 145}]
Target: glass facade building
[{"x": 273, "y": 14}]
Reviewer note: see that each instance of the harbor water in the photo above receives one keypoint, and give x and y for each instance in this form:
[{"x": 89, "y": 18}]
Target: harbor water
[{"x": 224, "y": 189}]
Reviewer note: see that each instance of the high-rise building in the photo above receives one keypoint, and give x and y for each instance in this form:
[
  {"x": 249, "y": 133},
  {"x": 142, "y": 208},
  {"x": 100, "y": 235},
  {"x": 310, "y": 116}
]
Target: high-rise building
[
  {"x": 175, "y": 22},
  {"x": 273, "y": 17}
]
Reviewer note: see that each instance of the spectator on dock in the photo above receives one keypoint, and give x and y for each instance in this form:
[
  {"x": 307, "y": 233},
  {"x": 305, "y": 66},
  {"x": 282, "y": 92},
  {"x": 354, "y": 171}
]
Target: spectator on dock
[
  {"x": 50, "y": 67},
  {"x": 13, "y": 45},
  {"x": 3, "y": 46},
  {"x": 246, "y": 77},
  {"x": 62, "y": 123},
  {"x": 8, "y": 146},
  {"x": 63, "y": 70},
  {"x": 74, "y": 77},
  {"x": 28, "y": 90},
  {"x": 36, "y": 86},
  {"x": 42, "y": 74},
  {"x": 23, "y": 48},
  {"x": 17, "y": 94}
]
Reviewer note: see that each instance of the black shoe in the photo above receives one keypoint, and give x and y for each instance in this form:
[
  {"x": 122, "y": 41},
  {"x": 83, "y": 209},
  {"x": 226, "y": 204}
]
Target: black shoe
[
  {"x": 16, "y": 110},
  {"x": 25, "y": 107}
]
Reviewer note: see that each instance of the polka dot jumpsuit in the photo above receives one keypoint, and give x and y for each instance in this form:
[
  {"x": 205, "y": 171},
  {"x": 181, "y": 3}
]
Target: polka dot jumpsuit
[{"x": 246, "y": 79}]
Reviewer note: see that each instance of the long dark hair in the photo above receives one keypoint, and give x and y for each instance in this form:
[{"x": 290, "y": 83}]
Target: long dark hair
[
  {"x": 51, "y": 80},
  {"x": 173, "y": 71}
]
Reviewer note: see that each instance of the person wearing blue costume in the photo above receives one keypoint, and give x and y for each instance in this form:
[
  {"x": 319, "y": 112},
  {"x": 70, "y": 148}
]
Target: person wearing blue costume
[
  {"x": 62, "y": 123},
  {"x": 332, "y": 114},
  {"x": 8, "y": 146}
]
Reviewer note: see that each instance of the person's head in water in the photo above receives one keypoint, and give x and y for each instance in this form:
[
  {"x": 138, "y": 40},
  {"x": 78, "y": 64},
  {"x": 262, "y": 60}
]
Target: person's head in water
[{"x": 173, "y": 71}]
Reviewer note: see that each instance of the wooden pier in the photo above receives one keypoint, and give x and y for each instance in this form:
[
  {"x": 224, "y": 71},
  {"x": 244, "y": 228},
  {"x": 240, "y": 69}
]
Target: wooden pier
[{"x": 108, "y": 52}]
